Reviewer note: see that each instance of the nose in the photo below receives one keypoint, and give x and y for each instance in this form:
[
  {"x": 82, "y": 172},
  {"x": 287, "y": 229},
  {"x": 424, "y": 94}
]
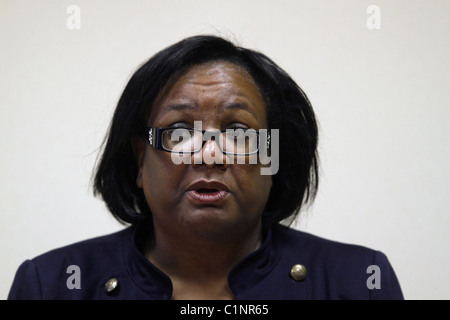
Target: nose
[{"x": 211, "y": 155}]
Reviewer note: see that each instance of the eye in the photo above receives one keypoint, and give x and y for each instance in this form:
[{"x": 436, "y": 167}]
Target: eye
[
  {"x": 237, "y": 125},
  {"x": 181, "y": 125}
]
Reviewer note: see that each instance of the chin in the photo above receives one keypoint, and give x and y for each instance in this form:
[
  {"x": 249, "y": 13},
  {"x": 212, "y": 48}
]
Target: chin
[{"x": 214, "y": 223}]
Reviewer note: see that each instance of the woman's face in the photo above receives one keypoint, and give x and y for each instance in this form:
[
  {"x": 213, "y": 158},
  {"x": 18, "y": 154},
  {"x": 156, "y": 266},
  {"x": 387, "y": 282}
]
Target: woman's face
[{"x": 211, "y": 200}]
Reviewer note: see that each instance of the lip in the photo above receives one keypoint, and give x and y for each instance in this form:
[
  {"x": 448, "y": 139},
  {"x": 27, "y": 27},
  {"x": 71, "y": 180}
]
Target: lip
[{"x": 207, "y": 191}]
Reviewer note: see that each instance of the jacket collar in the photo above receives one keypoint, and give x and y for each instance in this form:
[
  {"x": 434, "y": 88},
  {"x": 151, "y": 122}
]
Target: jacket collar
[{"x": 247, "y": 273}]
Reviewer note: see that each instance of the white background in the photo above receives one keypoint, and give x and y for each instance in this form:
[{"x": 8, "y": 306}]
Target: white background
[{"x": 382, "y": 99}]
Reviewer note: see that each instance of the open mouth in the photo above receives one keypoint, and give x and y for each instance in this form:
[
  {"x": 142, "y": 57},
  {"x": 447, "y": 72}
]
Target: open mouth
[
  {"x": 207, "y": 192},
  {"x": 204, "y": 196}
]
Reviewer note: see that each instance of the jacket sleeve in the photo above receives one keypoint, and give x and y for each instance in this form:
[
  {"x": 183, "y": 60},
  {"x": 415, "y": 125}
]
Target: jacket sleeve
[
  {"x": 390, "y": 286},
  {"x": 26, "y": 284}
]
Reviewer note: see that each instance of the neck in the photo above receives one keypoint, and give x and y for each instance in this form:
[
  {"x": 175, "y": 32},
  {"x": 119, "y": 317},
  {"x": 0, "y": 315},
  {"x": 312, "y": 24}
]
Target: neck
[{"x": 198, "y": 261}]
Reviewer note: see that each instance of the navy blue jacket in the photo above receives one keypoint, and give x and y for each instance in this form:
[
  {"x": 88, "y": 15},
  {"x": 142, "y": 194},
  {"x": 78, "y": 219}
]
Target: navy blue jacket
[{"x": 334, "y": 271}]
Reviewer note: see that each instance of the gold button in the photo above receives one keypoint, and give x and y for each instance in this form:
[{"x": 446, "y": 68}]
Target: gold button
[
  {"x": 111, "y": 285},
  {"x": 298, "y": 272}
]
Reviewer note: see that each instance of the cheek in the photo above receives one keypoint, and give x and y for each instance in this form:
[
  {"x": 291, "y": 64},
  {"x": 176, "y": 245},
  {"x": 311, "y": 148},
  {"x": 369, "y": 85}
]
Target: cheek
[
  {"x": 160, "y": 179},
  {"x": 254, "y": 187}
]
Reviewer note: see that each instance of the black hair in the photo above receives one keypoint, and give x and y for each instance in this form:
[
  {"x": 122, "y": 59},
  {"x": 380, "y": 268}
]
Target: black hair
[{"x": 288, "y": 110}]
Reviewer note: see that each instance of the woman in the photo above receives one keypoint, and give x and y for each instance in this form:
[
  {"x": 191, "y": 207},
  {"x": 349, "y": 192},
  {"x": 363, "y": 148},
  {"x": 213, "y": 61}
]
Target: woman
[{"x": 184, "y": 164}]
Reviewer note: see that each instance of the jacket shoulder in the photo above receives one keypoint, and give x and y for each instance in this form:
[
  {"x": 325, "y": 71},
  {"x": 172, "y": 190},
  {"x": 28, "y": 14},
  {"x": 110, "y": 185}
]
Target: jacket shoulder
[
  {"x": 85, "y": 249},
  {"x": 46, "y": 276},
  {"x": 339, "y": 270},
  {"x": 296, "y": 241}
]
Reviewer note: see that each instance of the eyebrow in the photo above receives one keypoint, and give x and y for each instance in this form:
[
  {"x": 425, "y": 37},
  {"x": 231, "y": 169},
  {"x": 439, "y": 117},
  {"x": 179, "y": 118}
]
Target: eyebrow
[
  {"x": 225, "y": 106},
  {"x": 180, "y": 107},
  {"x": 239, "y": 106}
]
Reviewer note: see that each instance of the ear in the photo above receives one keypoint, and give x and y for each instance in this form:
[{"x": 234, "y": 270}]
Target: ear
[{"x": 138, "y": 146}]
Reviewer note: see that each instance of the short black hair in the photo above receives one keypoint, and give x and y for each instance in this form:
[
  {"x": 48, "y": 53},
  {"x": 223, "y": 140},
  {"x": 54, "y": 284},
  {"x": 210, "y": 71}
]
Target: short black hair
[{"x": 288, "y": 110}]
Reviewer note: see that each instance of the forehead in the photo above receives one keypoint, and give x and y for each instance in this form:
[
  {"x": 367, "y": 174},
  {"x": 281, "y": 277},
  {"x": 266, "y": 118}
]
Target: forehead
[{"x": 214, "y": 85}]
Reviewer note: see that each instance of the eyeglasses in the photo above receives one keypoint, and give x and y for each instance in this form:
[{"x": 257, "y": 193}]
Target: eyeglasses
[{"x": 189, "y": 140}]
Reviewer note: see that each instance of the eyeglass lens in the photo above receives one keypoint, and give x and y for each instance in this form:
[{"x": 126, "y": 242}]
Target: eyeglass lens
[{"x": 237, "y": 141}]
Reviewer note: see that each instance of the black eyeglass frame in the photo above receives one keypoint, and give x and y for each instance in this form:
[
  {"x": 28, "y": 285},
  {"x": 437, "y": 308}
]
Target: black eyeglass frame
[{"x": 153, "y": 136}]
